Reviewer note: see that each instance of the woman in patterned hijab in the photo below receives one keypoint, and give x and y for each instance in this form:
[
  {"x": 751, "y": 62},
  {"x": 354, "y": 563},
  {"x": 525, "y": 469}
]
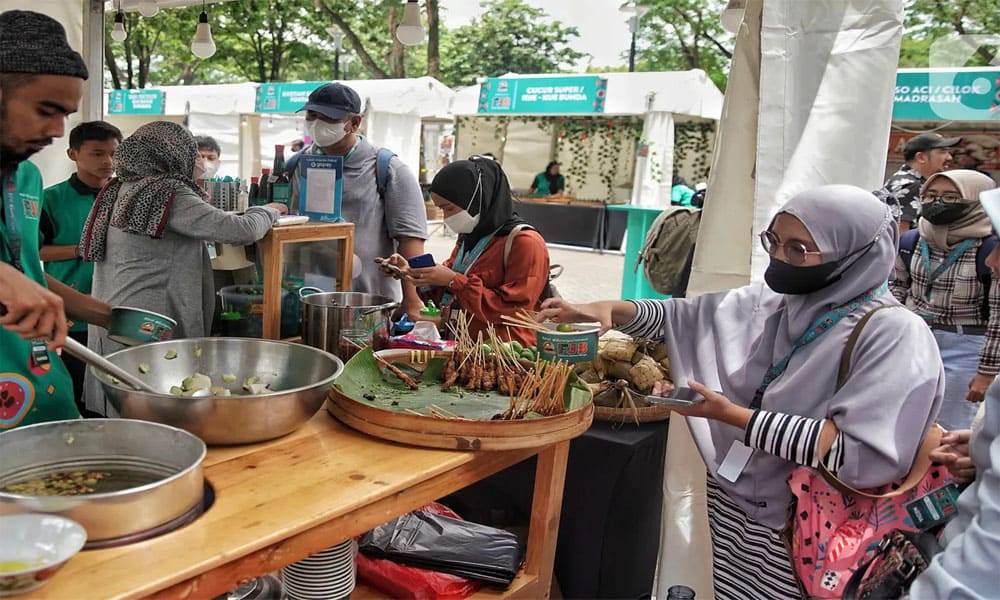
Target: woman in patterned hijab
[
  {"x": 147, "y": 235},
  {"x": 941, "y": 275},
  {"x": 161, "y": 157}
]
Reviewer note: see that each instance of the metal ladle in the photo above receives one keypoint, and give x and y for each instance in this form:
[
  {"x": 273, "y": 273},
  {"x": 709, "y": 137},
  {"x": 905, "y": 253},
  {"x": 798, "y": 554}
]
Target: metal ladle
[{"x": 96, "y": 360}]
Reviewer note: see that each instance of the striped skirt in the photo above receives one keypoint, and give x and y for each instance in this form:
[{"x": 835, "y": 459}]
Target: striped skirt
[{"x": 749, "y": 559}]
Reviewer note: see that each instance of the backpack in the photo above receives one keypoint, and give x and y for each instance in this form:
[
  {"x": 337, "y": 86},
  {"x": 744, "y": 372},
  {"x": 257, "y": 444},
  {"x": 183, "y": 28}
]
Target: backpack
[
  {"x": 908, "y": 247},
  {"x": 382, "y": 160},
  {"x": 554, "y": 270},
  {"x": 666, "y": 254}
]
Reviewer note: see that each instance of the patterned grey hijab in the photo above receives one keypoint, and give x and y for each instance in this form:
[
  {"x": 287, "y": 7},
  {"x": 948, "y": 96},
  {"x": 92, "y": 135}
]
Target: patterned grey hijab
[{"x": 160, "y": 156}]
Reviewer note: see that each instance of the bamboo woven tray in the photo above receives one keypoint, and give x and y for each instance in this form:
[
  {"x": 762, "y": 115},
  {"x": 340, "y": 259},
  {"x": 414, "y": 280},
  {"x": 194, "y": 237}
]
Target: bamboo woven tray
[
  {"x": 643, "y": 414},
  {"x": 378, "y": 416}
]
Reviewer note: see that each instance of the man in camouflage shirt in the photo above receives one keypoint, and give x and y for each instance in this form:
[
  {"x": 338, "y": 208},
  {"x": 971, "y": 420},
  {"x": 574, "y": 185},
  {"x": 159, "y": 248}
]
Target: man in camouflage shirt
[{"x": 925, "y": 155}]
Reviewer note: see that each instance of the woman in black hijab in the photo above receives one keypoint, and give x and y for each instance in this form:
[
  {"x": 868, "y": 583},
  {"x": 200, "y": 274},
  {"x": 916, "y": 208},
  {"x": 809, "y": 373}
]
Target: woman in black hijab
[{"x": 499, "y": 265}]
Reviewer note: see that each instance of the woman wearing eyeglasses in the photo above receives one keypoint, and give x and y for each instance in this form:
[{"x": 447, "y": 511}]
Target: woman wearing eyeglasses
[
  {"x": 941, "y": 275},
  {"x": 773, "y": 351}
]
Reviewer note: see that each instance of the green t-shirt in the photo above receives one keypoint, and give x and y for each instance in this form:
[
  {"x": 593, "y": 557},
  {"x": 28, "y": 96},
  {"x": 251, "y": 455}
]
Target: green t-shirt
[
  {"x": 29, "y": 392},
  {"x": 65, "y": 209}
]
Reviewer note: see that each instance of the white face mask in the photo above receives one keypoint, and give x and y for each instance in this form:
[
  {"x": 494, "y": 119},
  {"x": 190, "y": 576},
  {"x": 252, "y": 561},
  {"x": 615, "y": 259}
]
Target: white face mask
[
  {"x": 463, "y": 222},
  {"x": 325, "y": 134},
  {"x": 211, "y": 168}
]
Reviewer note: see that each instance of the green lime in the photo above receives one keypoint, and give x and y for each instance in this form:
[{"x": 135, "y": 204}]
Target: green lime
[
  {"x": 515, "y": 347},
  {"x": 564, "y": 327}
]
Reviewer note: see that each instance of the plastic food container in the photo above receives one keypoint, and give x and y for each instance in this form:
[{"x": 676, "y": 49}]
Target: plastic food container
[
  {"x": 248, "y": 301},
  {"x": 577, "y": 345}
]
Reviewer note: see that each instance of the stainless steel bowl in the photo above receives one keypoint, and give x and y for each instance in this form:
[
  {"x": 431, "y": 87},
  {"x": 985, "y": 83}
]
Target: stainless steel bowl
[
  {"x": 170, "y": 457},
  {"x": 297, "y": 376}
]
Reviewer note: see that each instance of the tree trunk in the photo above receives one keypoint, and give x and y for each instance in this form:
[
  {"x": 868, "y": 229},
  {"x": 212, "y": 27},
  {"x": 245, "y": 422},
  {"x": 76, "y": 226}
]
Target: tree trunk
[
  {"x": 109, "y": 58},
  {"x": 353, "y": 41},
  {"x": 433, "y": 38},
  {"x": 396, "y": 57},
  {"x": 128, "y": 65}
]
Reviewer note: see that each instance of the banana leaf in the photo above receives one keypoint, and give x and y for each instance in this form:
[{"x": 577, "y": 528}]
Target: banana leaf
[{"x": 364, "y": 381}]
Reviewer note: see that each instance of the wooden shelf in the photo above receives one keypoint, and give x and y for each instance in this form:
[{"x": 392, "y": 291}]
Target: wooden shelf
[{"x": 272, "y": 254}]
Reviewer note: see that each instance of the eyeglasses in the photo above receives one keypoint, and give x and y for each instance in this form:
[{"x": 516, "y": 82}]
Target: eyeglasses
[
  {"x": 795, "y": 252},
  {"x": 947, "y": 197}
]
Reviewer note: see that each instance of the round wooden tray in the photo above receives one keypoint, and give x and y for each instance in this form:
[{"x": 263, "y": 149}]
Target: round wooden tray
[{"x": 420, "y": 430}]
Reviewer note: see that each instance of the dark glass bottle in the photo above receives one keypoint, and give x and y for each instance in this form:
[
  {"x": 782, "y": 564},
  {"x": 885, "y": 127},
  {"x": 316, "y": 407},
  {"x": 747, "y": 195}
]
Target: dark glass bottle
[
  {"x": 680, "y": 592},
  {"x": 280, "y": 187}
]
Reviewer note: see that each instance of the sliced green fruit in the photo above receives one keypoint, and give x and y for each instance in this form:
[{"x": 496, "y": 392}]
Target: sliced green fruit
[
  {"x": 170, "y": 355},
  {"x": 144, "y": 367},
  {"x": 228, "y": 378}
]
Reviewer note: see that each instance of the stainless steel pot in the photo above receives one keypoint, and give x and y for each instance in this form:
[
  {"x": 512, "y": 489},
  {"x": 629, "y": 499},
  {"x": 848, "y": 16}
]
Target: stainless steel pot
[
  {"x": 170, "y": 457},
  {"x": 297, "y": 377},
  {"x": 326, "y": 315}
]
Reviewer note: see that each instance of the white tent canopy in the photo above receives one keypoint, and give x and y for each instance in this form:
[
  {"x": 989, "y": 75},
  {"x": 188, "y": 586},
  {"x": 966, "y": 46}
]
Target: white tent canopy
[{"x": 660, "y": 98}]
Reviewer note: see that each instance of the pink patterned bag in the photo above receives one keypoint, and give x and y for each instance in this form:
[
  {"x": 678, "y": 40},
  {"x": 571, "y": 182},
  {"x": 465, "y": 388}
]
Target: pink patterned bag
[
  {"x": 832, "y": 527},
  {"x": 832, "y": 532}
]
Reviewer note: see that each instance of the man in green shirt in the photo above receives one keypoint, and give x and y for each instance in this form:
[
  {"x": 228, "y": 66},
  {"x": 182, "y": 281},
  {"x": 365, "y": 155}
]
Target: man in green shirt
[
  {"x": 41, "y": 82},
  {"x": 65, "y": 208}
]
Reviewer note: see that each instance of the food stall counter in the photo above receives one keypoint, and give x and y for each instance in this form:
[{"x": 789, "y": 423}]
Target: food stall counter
[
  {"x": 278, "y": 502},
  {"x": 573, "y": 221}
]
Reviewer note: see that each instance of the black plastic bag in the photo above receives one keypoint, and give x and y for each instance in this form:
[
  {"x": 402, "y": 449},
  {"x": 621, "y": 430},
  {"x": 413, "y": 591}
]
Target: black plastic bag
[{"x": 448, "y": 545}]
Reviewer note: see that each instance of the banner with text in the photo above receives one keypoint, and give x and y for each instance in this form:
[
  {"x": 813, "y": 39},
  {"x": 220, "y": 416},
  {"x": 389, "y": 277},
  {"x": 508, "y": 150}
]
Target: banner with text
[
  {"x": 958, "y": 95},
  {"x": 283, "y": 97},
  {"x": 546, "y": 95},
  {"x": 136, "y": 102}
]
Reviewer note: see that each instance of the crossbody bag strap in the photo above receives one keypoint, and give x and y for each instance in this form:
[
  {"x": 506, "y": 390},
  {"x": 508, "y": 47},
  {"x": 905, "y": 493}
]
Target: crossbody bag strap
[
  {"x": 510, "y": 241},
  {"x": 922, "y": 462}
]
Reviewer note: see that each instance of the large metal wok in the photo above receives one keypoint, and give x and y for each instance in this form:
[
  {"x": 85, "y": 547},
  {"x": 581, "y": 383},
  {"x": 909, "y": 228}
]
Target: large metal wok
[{"x": 298, "y": 378}]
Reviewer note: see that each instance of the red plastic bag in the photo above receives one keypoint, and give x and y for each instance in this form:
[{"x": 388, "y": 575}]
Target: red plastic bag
[{"x": 412, "y": 583}]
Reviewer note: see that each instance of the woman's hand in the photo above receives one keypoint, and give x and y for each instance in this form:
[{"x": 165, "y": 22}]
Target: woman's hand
[
  {"x": 439, "y": 275},
  {"x": 30, "y": 310},
  {"x": 953, "y": 453},
  {"x": 394, "y": 266},
  {"x": 558, "y": 310},
  {"x": 978, "y": 386},
  {"x": 715, "y": 406},
  {"x": 278, "y": 206}
]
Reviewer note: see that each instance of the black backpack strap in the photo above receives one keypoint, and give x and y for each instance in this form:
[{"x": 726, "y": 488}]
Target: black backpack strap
[
  {"x": 908, "y": 247},
  {"x": 984, "y": 274}
]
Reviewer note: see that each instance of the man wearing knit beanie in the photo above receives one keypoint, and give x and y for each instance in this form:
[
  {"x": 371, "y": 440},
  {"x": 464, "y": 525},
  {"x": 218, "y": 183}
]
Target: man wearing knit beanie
[{"x": 41, "y": 83}]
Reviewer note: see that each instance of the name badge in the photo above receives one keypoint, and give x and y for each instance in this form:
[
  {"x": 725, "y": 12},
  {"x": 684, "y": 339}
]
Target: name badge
[
  {"x": 39, "y": 352},
  {"x": 736, "y": 460}
]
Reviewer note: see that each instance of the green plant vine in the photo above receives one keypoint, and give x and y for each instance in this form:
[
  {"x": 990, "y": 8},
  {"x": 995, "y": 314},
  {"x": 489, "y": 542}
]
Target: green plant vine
[{"x": 693, "y": 147}]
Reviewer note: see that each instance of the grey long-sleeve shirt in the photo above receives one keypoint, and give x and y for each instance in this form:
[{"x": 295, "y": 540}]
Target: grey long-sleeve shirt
[{"x": 171, "y": 275}]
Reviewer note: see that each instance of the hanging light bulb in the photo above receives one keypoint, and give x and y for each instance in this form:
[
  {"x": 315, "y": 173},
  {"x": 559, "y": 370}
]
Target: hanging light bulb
[
  {"x": 118, "y": 32},
  {"x": 411, "y": 31},
  {"x": 148, "y": 8},
  {"x": 203, "y": 46}
]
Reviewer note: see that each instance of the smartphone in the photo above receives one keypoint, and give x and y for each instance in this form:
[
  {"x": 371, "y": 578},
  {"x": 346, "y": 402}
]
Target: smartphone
[
  {"x": 681, "y": 396},
  {"x": 420, "y": 261}
]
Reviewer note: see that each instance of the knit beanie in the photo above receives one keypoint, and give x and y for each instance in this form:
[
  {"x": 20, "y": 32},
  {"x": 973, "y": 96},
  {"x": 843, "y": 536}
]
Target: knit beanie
[{"x": 31, "y": 42}]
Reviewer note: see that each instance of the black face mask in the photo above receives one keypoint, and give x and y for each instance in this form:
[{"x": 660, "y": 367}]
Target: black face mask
[
  {"x": 942, "y": 213},
  {"x": 784, "y": 278},
  {"x": 789, "y": 279}
]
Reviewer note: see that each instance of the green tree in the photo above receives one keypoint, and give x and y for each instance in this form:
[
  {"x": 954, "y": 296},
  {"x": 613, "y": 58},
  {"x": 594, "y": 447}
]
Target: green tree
[
  {"x": 677, "y": 35},
  {"x": 509, "y": 36},
  {"x": 928, "y": 21}
]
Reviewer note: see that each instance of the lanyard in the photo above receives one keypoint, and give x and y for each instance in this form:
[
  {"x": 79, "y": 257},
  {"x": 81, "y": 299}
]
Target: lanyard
[
  {"x": 944, "y": 266},
  {"x": 820, "y": 326},
  {"x": 464, "y": 261},
  {"x": 12, "y": 234}
]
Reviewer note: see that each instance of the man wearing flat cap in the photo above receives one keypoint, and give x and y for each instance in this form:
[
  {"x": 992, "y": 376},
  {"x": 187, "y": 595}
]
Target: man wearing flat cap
[
  {"x": 388, "y": 212},
  {"x": 924, "y": 155},
  {"x": 41, "y": 83}
]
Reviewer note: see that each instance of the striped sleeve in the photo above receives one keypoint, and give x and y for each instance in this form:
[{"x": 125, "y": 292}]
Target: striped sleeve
[
  {"x": 648, "y": 319},
  {"x": 793, "y": 438}
]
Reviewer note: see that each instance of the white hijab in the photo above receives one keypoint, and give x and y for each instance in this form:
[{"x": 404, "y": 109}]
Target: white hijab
[{"x": 729, "y": 339}]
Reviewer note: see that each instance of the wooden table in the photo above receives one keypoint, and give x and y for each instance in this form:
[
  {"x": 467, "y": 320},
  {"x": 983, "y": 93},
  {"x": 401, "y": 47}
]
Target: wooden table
[
  {"x": 272, "y": 248},
  {"x": 278, "y": 502}
]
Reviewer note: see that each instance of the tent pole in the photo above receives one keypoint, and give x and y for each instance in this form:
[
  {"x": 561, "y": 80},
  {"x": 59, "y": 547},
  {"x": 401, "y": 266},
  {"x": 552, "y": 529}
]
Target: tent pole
[{"x": 92, "y": 106}]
